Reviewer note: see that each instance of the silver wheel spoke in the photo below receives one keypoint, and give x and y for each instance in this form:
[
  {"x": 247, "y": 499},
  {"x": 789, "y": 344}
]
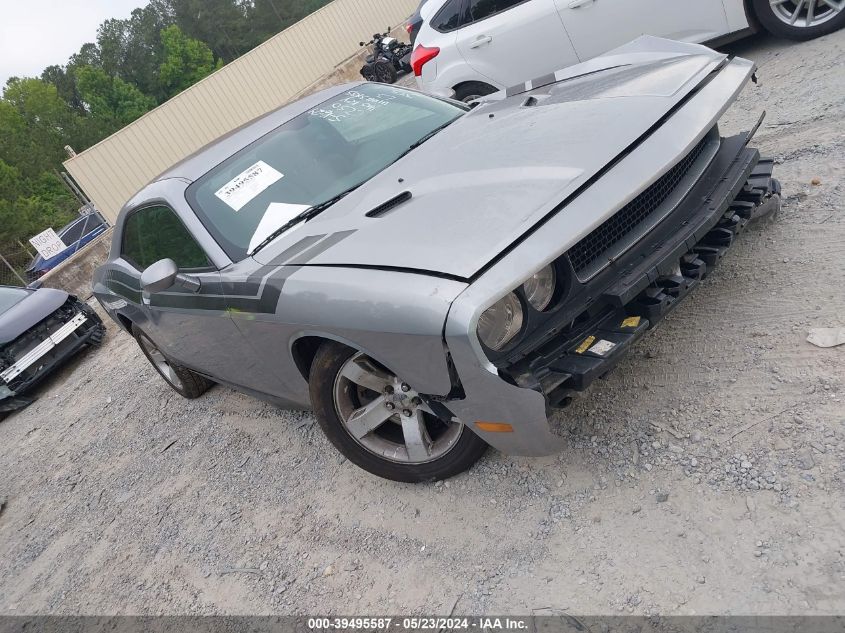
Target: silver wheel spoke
[
  {"x": 395, "y": 423},
  {"x": 362, "y": 372},
  {"x": 797, "y": 11},
  {"x": 162, "y": 365},
  {"x": 417, "y": 441},
  {"x": 368, "y": 418},
  {"x": 806, "y": 13}
]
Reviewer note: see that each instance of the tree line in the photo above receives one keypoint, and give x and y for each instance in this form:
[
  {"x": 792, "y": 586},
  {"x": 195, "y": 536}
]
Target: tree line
[{"x": 135, "y": 65}]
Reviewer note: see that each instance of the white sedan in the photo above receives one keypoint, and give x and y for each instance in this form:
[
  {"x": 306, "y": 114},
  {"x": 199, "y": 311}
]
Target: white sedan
[{"x": 470, "y": 48}]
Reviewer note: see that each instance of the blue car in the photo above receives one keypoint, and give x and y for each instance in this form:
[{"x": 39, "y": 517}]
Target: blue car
[{"x": 75, "y": 235}]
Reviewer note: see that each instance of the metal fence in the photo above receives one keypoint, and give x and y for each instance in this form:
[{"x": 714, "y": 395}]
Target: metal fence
[
  {"x": 265, "y": 78},
  {"x": 15, "y": 258}
]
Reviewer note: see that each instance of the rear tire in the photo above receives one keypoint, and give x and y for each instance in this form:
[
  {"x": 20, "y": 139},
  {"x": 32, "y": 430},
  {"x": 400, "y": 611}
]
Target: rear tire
[
  {"x": 775, "y": 18},
  {"x": 449, "y": 447},
  {"x": 473, "y": 90},
  {"x": 182, "y": 380}
]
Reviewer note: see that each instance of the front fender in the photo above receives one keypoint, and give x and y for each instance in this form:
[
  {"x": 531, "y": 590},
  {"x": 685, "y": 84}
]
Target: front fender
[{"x": 395, "y": 317}]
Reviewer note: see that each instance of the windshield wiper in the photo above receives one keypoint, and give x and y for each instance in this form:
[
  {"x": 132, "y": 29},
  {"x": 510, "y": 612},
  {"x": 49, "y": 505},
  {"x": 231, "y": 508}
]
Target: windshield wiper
[
  {"x": 435, "y": 131},
  {"x": 306, "y": 215},
  {"x": 426, "y": 137}
]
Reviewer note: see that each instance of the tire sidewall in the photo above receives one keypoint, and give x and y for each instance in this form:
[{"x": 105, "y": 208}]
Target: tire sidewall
[
  {"x": 763, "y": 12},
  {"x": 330, "y": 359},
  {"x": 476, "y": 89},
  {"x": 193, "y": 385}
]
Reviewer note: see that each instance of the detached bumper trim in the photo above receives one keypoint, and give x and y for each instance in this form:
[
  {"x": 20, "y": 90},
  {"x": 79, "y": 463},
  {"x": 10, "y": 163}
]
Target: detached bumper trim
[{"x": 43, "y": 348}]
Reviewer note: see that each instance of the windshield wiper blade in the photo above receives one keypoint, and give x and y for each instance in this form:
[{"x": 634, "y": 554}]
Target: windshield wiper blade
[
  {"x": 426, "y": 137},
  {"x": 434, "y": 132},
  {"x": 306, "y": 215}
]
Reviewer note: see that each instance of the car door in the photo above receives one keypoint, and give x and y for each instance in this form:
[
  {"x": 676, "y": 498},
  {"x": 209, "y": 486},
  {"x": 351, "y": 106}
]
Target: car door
[
  {"x": 597, "y": 26},
  {"x": 511, "y": 41},
  {"x": 192, "y": 328}
]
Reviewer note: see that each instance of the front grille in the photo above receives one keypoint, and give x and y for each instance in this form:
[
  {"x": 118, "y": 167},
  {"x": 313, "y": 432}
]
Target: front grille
[{"x": 586, "y": 252}]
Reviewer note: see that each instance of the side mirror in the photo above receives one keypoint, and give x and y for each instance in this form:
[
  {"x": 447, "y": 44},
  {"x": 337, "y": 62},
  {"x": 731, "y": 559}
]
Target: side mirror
[
  {"x": 159, "y": 276},
  {"x": 163, "y": 275},
  {"x": 361, "y": 44}
]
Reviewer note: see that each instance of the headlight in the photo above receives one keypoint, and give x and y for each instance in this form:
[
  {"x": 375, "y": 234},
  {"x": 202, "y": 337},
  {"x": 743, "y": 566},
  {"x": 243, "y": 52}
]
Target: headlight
[
  {"x": 500, "y": 322},
  {"x": 540, "y": 289}
]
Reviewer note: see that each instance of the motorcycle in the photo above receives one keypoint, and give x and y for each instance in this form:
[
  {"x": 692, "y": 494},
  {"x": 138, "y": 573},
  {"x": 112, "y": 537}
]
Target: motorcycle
[{"x": 388, "y": 57}]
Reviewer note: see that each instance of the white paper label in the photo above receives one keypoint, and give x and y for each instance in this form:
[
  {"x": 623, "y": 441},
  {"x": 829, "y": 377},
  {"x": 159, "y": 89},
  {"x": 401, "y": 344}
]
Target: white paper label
[
  {"x": 48, "y": 244},
  {"x": 602, "y": 347},
  {"x": 244, "y": 187}
]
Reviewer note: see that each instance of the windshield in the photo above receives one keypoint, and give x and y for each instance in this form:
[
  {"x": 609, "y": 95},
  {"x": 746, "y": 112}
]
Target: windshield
[
  {"x": 10, "y": 297},
  {"x": 333, "y": 147}
]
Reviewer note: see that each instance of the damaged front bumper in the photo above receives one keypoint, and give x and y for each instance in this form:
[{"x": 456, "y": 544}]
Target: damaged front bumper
[
  {"x": 41, "y": 350},
  {"x": 630, "y": 296},
  {"x": 645, "y": 285}
]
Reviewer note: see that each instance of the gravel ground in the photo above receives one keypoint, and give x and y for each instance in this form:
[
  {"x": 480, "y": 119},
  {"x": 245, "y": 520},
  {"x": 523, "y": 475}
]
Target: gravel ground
[{"x": 705, "y": 475}]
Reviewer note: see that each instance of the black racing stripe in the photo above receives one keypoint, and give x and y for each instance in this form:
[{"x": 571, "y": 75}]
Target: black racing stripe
[
  {"x": 545, "y": 80},
  {"x": 123, "y": 278},
  {"x": 189, "y": 302},
  {"x": 242, "y": 296},
  {"x": 515, "y": 90},
  {"x": 326, "y": 244},
  {"x": 273, "y": 290},
  {"x": 296, "y": 249},
  {"x": 248, "y": 288},
  {"x": 123, "y": 285}
]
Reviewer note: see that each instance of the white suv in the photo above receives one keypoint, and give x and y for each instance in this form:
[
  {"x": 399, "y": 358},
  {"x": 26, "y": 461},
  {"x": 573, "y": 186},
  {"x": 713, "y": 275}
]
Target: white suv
[{"x": 470, "y": 48}]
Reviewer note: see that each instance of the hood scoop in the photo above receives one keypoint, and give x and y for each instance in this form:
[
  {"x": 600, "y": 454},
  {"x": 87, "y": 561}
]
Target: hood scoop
[{"x": 387, "y": 207}]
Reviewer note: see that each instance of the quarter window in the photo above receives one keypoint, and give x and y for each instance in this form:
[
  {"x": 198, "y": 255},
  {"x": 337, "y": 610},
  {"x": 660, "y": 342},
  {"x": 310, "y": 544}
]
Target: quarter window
[
  {"x": 448, "y": 18},
  {"x": 156, "y": 233},
  {"x": 481, "y": 9}
]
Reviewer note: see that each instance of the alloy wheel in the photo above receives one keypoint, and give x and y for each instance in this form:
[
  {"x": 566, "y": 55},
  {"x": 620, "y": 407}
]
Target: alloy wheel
[
  {"x": 806, "y": 13},
  {"x": 161, "y": 363},
  {"x": 387, "y": 417}
]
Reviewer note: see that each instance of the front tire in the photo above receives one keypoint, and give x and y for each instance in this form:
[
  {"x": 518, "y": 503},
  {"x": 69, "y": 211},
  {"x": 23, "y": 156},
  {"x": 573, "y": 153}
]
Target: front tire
[
  {"x": 799, "y": 19},
  {"x": 381, "y": 424},
  {"x": 182, "y": 380},
  {"x": 385, "y": 72},
  {"x": 368, "y": 73}
]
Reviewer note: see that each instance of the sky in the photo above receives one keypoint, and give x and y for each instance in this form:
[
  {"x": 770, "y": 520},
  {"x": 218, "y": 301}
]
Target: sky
[{"x": 35, "y": 34}]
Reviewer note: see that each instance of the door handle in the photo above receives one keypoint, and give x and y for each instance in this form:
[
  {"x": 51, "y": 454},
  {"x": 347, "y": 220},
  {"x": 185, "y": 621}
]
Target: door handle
[
  {"x": 481, "y": 40},
  {"x": 577, "y": 4}
]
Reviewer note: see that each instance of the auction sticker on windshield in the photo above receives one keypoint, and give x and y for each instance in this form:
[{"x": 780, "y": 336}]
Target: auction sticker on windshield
[{"x": 247, "y": 185}]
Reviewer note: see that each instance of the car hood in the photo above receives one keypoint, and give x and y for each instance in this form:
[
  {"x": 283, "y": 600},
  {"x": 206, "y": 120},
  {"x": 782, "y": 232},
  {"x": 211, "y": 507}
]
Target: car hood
[
  {"x": 464, "y": 196},
  {"x": 29, "y": 312}
]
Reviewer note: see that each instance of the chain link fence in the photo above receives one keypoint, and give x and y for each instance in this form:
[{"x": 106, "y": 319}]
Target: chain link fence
[{"x": 15, "y": 258}]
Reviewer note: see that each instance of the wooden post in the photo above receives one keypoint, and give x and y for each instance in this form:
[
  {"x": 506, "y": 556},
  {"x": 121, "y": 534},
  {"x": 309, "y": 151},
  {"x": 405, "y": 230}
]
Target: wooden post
[{"x": 26, "y": 248}]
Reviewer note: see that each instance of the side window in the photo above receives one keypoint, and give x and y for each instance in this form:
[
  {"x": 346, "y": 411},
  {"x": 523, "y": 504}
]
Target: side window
[
  {"x": 480, "y": 9},
  {"x": 155, "y": 233},
  {"x": 448, "y": 18},
  {"x": 73, "y": 234}
]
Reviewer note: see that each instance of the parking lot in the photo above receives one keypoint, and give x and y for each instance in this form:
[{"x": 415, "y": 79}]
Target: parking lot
[{"x": 704, "y": 475}]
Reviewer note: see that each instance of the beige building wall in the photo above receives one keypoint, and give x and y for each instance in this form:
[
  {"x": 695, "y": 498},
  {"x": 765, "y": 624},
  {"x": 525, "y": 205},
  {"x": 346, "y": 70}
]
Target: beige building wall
[{"x": 264, "y": 79}]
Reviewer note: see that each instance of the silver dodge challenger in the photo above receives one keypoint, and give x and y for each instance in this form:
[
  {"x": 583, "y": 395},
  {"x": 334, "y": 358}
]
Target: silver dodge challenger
[{"x": 432, "y": 278}]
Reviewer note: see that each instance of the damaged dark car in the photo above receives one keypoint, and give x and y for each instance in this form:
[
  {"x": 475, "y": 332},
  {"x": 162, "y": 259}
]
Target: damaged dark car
[{"x": 39, "y": 330}]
